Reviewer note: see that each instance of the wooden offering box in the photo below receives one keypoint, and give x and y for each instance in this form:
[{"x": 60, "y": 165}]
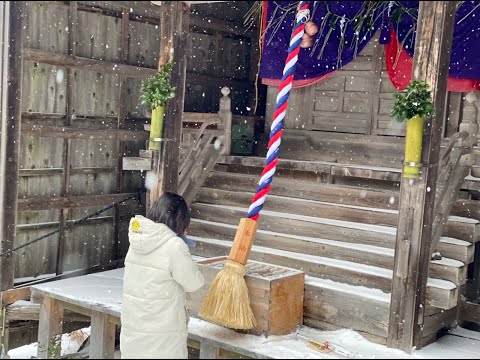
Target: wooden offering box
[{"x": 276, "y": 295}]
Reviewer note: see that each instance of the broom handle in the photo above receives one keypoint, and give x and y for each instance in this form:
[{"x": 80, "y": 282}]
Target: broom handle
[
  {"x": 242, "y": 244},
  {"x": 302, "y": 16}
]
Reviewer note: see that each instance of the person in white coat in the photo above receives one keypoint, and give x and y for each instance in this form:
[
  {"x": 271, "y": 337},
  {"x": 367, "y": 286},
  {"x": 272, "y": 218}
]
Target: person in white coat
[{"x": 159, "y": 271}]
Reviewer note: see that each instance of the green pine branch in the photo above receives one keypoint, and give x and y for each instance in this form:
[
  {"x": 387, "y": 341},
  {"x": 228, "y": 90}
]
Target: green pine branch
[
  {"x": 414, "y": 100},
  {"x": 157, "y": 89}
]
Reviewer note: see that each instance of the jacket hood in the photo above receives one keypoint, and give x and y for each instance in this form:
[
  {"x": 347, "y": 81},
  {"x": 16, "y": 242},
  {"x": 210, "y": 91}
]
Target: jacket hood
[{"x": 145, "y": 235}]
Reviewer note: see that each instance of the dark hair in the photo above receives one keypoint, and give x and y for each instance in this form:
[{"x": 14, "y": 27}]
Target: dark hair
[{"x": 172, "y": 210}]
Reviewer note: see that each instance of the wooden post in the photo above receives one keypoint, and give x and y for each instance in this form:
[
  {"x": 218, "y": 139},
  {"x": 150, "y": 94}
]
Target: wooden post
[
  {"x": 225, "y": 113},
  {"x": 50, "y": 326},
  {"x": 103, "y": 337},
  {"x": 417, "y": 196},
  {"x": 10, "y": 141},
  {"x": 63, "y": 217},
  {"x": 120, "y": 145},
  {"x": 208, "y": 350},
  {"x": 174, "y": 28}
]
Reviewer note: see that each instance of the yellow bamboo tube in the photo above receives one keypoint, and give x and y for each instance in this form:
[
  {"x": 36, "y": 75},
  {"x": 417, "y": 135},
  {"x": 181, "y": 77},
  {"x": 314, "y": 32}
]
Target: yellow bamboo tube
[
  {"x": 156, "y": 128},
  {"x": 413, "y": 147}
]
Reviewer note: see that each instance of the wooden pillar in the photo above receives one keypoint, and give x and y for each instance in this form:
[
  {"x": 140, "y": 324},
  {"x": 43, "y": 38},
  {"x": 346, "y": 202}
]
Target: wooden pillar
[
  {"x": 70, "y": 77},
  {"x": 10, "y": 135},
  {"x": 415, "y": 218},
  {"x": 174, "y": 28},
  {"x": 120, "y": 145}
]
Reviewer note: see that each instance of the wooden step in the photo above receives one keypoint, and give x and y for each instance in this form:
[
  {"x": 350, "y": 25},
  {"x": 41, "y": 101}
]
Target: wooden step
[
  {"x": 446, "y": 269},
  {"x": 333, "y": 168},
  {"x": 352, "y": 307},
  {"x": 336, "y": 169},
  {"x": 457, "y": 227},
  {"x": 350, "y": 232},
  {"x": 305, "y": 190},
  {"x": 440, "y": 293},
  {"x": 347, "y": 232},
  {"x": 310, "y": 190}
]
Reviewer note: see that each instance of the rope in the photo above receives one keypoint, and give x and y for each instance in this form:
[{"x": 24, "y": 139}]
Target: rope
[
  {"x": 271, "y": 161},
  {"x": 136, "y": 196}
]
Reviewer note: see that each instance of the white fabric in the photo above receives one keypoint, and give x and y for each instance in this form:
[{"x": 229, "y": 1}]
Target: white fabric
[{"x": 159, "y": 270}]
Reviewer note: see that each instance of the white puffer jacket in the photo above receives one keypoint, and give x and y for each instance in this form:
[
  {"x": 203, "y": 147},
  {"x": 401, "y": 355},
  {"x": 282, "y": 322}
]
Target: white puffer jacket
[{"x": 159, "y": 270}]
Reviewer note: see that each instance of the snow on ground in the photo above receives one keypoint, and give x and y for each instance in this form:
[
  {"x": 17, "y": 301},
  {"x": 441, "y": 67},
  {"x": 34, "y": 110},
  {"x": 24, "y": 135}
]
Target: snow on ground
[
  {"x": 458, "y": 344},
  {"x": 70, "y": 345}
]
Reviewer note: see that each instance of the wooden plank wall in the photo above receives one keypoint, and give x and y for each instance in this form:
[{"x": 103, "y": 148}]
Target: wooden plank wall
[{"x": 95, "y": 104}]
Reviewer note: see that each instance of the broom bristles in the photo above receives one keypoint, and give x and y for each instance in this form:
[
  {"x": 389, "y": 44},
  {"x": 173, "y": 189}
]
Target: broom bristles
[{"x": 227, "y": 302}]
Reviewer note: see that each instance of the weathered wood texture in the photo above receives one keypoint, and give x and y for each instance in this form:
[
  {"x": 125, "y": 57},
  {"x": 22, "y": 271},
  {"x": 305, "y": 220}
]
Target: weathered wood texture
[
  {"x": 414, "y": 231},
  {"x": 174, "y": 21},
  {"x": 10, "y": 159},
  {"x": 50, "y": 329},
  {"x": 100, "y": 59}
]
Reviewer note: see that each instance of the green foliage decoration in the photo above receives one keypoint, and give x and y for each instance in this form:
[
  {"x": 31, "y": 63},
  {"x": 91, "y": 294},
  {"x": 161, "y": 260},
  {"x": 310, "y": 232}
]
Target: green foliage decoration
[
  {"x": 157, "y": 89},
  {"x": 414, "y": 100}
]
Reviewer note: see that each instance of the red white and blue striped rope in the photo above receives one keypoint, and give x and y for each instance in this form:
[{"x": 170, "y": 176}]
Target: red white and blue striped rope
[{"x": 271, "y": 161}]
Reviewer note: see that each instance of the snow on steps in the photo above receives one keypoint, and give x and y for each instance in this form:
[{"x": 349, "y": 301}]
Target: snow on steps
[
  {"x": 308, "y": 226},
  {"x": 334, "y": 193},
  {"x": 447, "y": 269},
  {"x": 332, "y": 210},
  {"x": 440, "y": 293}
]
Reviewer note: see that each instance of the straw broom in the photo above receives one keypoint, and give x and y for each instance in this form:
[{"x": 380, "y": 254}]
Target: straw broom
[{"x": 227, "y": 302}]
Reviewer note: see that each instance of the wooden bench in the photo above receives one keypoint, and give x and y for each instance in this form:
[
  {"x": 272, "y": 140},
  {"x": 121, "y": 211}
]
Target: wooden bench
[{"x": 99, "y": 297}]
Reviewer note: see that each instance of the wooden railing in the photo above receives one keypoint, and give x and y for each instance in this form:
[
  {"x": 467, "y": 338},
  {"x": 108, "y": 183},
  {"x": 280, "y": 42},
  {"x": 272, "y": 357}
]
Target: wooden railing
[
  {"x": 205, "y": 150},
  {"x": 455, "y": 164},
  {"x": 212, "y": 139}
]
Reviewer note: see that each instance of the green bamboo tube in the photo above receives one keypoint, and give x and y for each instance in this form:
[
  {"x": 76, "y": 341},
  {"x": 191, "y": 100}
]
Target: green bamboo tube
[
  {"x": 413, "y": 147},
  {"x": 156, "y": 128}
]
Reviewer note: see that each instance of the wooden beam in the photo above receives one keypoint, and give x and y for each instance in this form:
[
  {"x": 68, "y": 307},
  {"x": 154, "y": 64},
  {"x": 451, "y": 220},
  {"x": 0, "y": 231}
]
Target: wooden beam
[
  {"x": 11, "y": 117},
  {"x": 122, "y": 115},
  {"x": 29, "y": 311},
  {"x": 414, "y": 231},
  {"x": 104, "y": 67},
  {"x": 76, "y": 133},
  {"x": 140, "y": 7},
  {"x": 8, "y": 297},
  {"x": 58, "y": 171},
  {"x": 70, "y": 89},
  {"x": 70, "y": 202}
]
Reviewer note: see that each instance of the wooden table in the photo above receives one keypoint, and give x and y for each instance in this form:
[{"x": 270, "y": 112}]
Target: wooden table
[{"x": 98, "y": 296}]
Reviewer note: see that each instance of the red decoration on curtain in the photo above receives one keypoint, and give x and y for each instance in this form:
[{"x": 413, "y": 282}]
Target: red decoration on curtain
[{"x": 400, "y": 70}]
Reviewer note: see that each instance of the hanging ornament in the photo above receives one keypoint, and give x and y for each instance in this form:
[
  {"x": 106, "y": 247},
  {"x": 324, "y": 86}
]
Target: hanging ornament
[
  {"x": 311, "y": 28},
  {"x": 307, "y": 41}
]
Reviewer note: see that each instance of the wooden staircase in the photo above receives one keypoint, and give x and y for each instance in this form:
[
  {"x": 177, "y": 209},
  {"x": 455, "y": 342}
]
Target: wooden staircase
[{"x": 341, "y": 236}]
